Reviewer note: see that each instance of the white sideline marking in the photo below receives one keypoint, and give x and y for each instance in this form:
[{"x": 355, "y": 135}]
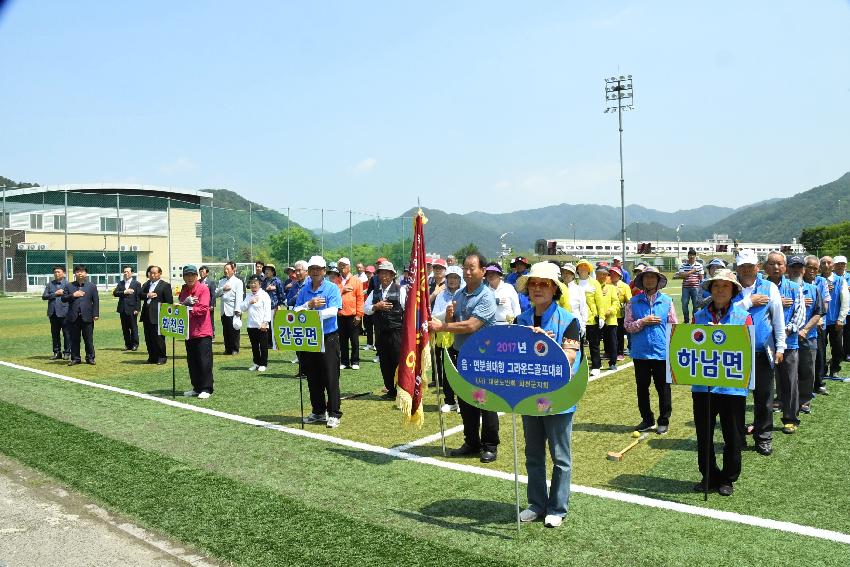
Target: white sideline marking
[
  {"x": 459, "y": 428},
  {"x": 734, "y": 517}
]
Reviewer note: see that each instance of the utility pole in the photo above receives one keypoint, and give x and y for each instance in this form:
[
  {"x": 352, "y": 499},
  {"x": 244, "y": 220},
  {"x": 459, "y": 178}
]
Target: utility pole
[{"x": 619, "y": 97}]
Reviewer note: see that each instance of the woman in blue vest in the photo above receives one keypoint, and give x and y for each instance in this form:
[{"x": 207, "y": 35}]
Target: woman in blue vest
[
  {"x": 546, "y": 316},
  {"x": 647, "y": 318},
  {"x": 729, "y": 404}
]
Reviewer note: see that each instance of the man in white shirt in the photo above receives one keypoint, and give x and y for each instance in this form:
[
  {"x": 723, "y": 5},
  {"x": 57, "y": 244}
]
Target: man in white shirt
[
  {"x": 231, "y": 290},
  {"x": 762, "y": 299}
]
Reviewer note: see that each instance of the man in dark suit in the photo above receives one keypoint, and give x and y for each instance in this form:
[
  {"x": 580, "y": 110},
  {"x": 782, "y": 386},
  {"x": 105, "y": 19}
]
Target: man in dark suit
[
  {"x": 204, "y": 274},
  {"x": 127, "y": 291},
  {"x": 83, "y": 310},
  {"x": 56, "y": 312},
  {"x": 154, "y": 292}
]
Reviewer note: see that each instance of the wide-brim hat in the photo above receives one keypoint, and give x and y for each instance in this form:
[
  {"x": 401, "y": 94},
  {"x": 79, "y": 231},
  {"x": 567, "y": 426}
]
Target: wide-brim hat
[
  {"x": 569, "y": 267},
  {"x": 586, "y": 263},
  {"x": 662, "y": 279},
  {"x": 724, "y": 275},
  {"x": 272, "y": 268},
  {"x": 542, "y": 270},
  {"x": 388, "y": 266}
]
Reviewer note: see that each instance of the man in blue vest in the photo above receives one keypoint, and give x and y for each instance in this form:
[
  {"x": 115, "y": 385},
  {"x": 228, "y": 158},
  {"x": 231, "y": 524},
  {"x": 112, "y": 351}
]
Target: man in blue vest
[
  {"x": 647, "y": 317},
  {"x": 56, "y": 312},
  {"x": 803, "y": 271},
  {"x": 794, "y": 313},
  {"x": 836, "y": 314},
  {"x": 761, "y": 299}
]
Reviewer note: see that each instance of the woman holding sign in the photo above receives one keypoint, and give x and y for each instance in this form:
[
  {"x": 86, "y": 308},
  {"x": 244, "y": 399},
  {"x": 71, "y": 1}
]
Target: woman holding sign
[
  {"x": 729, "y": 404},
  {"x": 544, "y": 289},
  {"x": 199, "y": 344}
]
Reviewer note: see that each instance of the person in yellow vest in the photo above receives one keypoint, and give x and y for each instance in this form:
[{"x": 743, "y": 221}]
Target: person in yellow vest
[
  {"x": 593, "y": 297},
  {"x": 624, "y": 295},
  {"x": 607, "y": 307}
]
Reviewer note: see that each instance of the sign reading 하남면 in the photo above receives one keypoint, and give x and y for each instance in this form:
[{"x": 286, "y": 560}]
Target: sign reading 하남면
[
  {"x": 720, "y": 356},
  {"x": 511, "y": 368},
  {"x": 299, "y": 331},
  {"x": 174, "y": 320}
]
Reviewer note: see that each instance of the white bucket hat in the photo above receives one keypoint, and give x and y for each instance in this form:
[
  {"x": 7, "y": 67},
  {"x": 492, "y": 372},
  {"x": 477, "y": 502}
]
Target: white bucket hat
[
  {"x": 454, "y": 271},
  {"x": 317, "y": 261}
]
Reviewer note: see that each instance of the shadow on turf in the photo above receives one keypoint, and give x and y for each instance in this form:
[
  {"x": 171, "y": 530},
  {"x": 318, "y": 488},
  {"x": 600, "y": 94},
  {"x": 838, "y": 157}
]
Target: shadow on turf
[
  {"x": 601, "y": 427},
  {"x": 479, "y": 515},
  {"x": 281, "y": 419},
  {"x": 653, "y": 486}
]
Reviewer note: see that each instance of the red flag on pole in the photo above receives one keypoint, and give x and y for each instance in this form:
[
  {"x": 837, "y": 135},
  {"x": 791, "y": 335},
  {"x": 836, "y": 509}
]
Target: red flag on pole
[{"x": 415, "y": 354}]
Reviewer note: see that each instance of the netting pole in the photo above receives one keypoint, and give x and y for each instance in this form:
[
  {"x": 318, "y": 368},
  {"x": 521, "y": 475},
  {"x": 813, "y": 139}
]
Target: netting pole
[
  {"x": 350, "y": 238},
  {"x": 323, "y": 233},
  {"x": 67, "y": 258},
  {"x": 250, "y": 232},
  {"x": 169, "y": 239},
  {"x": 118, "y": 232},
  {"x": 288, "y": 260},
  {"x": 5, "y": 275},
  {"x": 212, "y": 228}
]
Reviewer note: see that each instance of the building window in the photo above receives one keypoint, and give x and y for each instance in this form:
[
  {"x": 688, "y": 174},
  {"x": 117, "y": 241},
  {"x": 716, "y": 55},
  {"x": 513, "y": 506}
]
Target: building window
[
  {"x": 58, "y": 222},
  {"x": 199, "y": 230},
  {"x": 10, "y": 268},
  {"x": 111, "y": 224},
  {"x": 36, "y": 221},
  {"x": 4, "y": 220}
]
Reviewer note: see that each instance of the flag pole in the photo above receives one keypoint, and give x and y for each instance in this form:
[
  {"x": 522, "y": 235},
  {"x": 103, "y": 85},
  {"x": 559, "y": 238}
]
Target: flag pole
[
  {"x": 516, "y": 474},
  {"x": 439, "y": 399}
]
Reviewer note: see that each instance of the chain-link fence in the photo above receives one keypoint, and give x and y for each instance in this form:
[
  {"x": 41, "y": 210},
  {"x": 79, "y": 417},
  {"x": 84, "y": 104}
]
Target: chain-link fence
[{"x": 109, "y": 227}]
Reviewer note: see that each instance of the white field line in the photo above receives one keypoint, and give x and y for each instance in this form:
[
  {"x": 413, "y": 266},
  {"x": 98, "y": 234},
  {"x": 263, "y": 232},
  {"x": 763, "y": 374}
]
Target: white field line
[
  {"x": 734, "y": 517},
  {"x": 458, "y": 428}
]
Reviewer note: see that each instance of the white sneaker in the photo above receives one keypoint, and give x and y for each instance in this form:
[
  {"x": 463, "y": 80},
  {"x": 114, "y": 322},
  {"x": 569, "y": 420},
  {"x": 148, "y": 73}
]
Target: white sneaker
[
  {"x": 446, "y": 408},
  {"x": 204, "y": 395},
  {"x": 553, "y": 521},
  {"x": 333, "y": 422},
  {"x": 528, "y": 515},
  {"x": 190, "y": 394},
  {"x": 253, "y": 368},
  {"x": 294, "y": 361},
  {"x": 355, "y": 367},
  {"x": 375, "y": 360},
  {"x": 595, "y": 372},
  {"x": 316, "y": 418},
  {"x": 261, "y": 368},
  {"x": 342, "y": 367}
]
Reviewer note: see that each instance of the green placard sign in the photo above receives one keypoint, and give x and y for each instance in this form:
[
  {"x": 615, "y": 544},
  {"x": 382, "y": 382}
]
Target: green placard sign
[
  {"x": 720, "y": 356},
  {"x": 174, "y": 320},
  {"x": 299, "y": 331}
]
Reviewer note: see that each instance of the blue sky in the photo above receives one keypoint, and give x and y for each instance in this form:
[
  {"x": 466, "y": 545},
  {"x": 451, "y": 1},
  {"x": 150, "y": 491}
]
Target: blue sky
[{"x": 492, "y": 106}]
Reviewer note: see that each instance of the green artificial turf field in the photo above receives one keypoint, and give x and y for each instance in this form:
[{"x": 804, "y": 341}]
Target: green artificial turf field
[{"x": 256, "y": 496}]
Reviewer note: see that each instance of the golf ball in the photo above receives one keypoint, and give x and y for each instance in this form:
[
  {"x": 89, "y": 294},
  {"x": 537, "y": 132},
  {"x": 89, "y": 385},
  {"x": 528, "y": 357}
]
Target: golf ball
[{"x": 635, "y": 433}]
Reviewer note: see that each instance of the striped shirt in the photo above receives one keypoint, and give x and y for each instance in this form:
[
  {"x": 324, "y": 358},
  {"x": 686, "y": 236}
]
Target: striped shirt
[{"x": 694, "y": 279}]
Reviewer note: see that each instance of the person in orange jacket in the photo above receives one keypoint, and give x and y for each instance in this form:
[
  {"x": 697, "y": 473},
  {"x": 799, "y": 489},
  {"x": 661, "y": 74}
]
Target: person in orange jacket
[{"x": 350, "y": 315}]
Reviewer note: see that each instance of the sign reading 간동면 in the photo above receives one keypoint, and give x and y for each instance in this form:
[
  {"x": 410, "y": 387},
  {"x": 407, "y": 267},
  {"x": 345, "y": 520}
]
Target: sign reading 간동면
[
  {"x": 720, "y": 356},
  {"x": 174, "y": 320},
  {"x": 510, "y": 368},
  {"x": 299, "y": 331}
]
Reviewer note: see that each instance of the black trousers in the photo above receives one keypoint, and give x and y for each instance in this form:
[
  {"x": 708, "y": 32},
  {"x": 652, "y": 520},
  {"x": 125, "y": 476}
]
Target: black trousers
[
  {"x": 488, "y": 421},
  {"x": 349, "y": 337},
  {"x": 154, "y": 342},
  {"x": 78, "y": 329},
  {"x": 199, "y": 357},
  {"x": 845, "y": 339},
  {"x": 763, "y": 399},
  {"x": 130, "y": 328},
  {"x": 647, "y": 371},
  {"x": 820, "y": 359},
  {"x": 57, "y": 326},
  {"x": 259, "y": 345},
  {"x": 322, "y": 371},
  {"x": 731, "y": 411},
  {"x": 609, "y": 335},
  {"x": 230, "y": 335},
  {"x": 369, "y": 326},
  {"x": 388, "y": 344},
  {"x": 448, "y": 392},
  {"x": 594, "y": 337},
  {"x": 621, "y": 336},
  {"x": 836, "y": 347}
]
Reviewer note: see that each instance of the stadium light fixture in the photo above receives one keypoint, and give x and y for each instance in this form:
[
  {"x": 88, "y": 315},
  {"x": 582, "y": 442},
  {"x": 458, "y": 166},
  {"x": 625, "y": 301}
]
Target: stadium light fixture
[{"x": 619, "y": 96}]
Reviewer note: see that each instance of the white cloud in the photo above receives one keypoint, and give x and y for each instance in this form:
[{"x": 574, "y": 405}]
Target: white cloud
[
  {"x": 178, "y": 165},
  {"x": 365, "y": 166}
]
